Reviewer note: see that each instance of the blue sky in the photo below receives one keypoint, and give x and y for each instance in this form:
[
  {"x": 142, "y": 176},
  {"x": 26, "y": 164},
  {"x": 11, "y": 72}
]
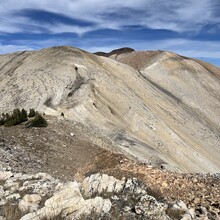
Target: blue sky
[{"x": 189, "y": 27}]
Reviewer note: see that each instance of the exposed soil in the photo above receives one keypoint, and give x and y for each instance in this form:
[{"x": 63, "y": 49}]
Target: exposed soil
[{"x": 58, "y": 149}]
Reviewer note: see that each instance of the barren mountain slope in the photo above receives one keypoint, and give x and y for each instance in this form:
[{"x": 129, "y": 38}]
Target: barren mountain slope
[
  {"x": 69, "y": 151},
  {"x": 165, "y": 112}
]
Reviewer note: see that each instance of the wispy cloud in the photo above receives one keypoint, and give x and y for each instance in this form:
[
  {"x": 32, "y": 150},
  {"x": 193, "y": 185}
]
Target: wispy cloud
[
  {"x": 180, "y": 16},
  {"x": 189, "y": 27},
  {"x": 12, "y": 48}
]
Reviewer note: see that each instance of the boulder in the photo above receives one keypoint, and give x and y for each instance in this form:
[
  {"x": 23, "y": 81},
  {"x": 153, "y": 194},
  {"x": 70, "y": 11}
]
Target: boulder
[
  {"x": 98, "y": 183},
  {"x": 180, "y": 205},
  {"x": 70, "y": 204},
  {"x": 30, "y": 203},
  {"x": 149, "y": 207},
  {"x": 2, "y": 192},
  {"x": 5, "y": 175}
]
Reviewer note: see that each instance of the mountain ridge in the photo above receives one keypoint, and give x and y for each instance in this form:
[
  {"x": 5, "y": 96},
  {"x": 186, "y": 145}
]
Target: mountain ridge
[{"x": 161, "y": 109}]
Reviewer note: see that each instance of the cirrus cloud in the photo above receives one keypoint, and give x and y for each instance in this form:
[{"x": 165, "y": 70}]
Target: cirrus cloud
[
  {"x": 180, "y": 16},
  {"x": 190, "y": 27}
]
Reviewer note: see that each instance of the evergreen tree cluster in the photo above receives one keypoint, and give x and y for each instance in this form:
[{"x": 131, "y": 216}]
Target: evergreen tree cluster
[
  {"x": 19, "y": 116},
  {"x": 15, "y": 118}
]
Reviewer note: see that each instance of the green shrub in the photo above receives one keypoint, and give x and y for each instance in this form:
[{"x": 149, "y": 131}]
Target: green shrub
[
  {"x": 17, "y": 117},
  {"x": 2, "y": 119},
  {"x": 32, "y": 113},
  {"x": 13, "y": 119},
  {"x": 23, "y": 116},
  {"x": 6, "y": 118},
  {"x": 10, "y": 122},
  {"x": 37, "y": 121}
]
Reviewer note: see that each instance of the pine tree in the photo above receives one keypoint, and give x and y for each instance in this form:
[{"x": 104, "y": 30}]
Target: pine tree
[
  {"x": 23, "y": 116},
  {"x": 32, "y": 113},
  {"x": 2, "y": 119},
  {"x": 37, "y": 121}
]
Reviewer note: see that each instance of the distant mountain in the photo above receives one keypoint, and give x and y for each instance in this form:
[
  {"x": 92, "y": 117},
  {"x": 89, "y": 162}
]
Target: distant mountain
[
  {"x": 115, "y": 52},
  {"x": 157, "y": 106}
]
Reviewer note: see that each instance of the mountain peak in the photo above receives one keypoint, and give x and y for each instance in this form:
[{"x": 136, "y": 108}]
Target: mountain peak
[
  {"x": 163, "y": 110},
  {"x": 116, "y": 52}
]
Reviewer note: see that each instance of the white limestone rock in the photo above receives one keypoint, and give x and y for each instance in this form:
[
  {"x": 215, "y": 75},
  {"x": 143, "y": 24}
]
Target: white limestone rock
[
  {"x": 30, "y": 203},
  {"x": 180, "y": 205},
  {"x": 5, "y": 175}
]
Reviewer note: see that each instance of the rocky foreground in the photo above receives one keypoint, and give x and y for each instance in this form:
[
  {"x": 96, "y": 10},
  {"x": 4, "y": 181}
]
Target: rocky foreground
[
  {"x": 80, "y": 173},
  {"x": 98, "y": 196}
]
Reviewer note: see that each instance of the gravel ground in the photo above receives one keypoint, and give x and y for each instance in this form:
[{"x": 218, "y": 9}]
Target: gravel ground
[{"x": 70, "y": 151}]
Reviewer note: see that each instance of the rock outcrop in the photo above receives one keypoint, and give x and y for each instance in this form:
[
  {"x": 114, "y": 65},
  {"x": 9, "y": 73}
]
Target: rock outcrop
[
  {"x": 162, "y": 109},
  {"x": 99, "y": 196}
]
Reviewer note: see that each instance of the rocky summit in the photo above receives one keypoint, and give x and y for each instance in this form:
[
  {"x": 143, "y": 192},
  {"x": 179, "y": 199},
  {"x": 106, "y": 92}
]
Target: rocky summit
[{"x": 128, "y": 135}]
